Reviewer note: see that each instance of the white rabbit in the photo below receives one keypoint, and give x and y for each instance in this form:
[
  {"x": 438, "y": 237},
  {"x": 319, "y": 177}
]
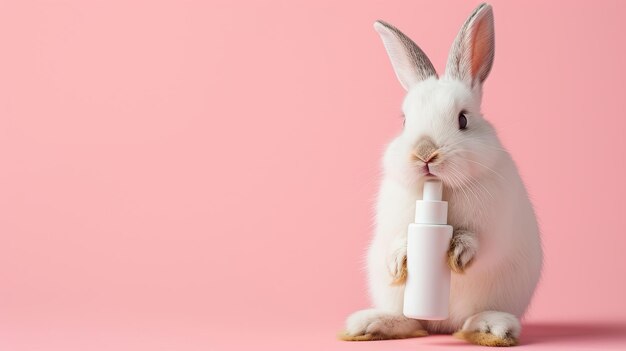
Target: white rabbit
[{"x": 495, "y": 252}]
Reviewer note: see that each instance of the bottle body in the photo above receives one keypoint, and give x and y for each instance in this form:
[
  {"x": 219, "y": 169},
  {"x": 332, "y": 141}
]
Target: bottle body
[{"x": 427, "y": 290}]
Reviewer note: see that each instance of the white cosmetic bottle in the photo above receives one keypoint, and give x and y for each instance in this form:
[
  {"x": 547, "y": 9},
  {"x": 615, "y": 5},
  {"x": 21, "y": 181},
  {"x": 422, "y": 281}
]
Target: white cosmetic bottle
[{"x": 427, "y": 289}]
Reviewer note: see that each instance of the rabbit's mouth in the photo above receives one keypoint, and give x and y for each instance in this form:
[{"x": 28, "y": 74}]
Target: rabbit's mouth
[{"x": 427, "y": 171}]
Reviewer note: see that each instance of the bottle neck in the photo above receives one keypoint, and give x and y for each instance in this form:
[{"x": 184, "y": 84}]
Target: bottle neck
[{"x": 431, "y": 212}]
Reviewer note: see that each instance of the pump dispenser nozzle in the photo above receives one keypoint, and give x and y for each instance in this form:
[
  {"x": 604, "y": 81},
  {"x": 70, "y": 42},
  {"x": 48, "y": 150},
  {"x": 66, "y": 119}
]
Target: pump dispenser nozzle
[
  {"x": 431, "y": 210},
  {"x": 433, "y": 190}
]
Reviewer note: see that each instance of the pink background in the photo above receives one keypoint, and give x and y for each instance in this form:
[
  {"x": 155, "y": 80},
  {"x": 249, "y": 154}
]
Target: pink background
[{"x": 191, "y": 175}]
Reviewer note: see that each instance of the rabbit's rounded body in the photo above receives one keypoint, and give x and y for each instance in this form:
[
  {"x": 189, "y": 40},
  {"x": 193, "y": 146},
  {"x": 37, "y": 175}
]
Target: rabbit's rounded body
[
  {"x": 495, "y": 251},
  {"x": 507, "y": 266}
]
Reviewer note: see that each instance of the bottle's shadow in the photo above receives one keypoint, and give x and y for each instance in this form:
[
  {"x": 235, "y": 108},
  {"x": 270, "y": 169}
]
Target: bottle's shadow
[{"x": 575, "y": 332}]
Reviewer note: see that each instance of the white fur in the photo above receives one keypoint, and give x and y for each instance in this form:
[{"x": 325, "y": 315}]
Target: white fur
[{"x": 488, "y": 203}]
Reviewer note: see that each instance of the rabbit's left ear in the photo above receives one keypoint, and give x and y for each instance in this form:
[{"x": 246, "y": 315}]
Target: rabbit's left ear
[
  {"x": 471, "y": 55},
  {"x": 409, "y": 61}
]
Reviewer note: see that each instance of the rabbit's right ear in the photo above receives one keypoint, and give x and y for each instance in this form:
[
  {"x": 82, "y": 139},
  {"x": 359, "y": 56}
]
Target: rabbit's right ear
[
  {"x": 409, "y": 62},
  {"x": 471, "y": 55}
]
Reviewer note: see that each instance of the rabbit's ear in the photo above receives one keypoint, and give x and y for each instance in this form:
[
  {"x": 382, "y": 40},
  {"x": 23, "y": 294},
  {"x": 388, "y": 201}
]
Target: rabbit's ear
[
  {"x": 409, "y": 62},
  {"x": 471, "y": 55}
]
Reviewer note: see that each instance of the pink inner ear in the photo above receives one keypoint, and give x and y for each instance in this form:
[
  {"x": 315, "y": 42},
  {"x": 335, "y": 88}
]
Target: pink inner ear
[{"x": 480, "y": 48}]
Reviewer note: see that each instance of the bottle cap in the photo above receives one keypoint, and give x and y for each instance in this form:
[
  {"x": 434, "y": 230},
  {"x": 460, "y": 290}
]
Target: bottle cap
[{"x": 431, "y": 210}]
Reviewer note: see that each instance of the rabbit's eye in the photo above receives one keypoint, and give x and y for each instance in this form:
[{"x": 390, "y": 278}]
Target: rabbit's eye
[
  {"x": 403, "y": 120},
  {"x": 462, "y": 120}
]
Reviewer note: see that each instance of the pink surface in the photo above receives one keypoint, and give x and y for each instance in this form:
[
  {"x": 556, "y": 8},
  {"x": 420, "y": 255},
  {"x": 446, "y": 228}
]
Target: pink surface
[{"x": 199, "y": 175}]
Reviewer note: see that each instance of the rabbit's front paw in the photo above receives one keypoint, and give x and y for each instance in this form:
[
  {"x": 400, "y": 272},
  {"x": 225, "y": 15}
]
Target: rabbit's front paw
[
  {"x": 491, "y": 328},
  {"x": 397, "y": 262},
  {"x": 372, "y": 324},
  {"x": 463, "y": 247}
]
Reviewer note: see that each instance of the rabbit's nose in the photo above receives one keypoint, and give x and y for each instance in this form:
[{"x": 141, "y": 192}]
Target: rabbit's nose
[
  {"x": 432, "y": 158},
  {"x": 426, "y": 150}
]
